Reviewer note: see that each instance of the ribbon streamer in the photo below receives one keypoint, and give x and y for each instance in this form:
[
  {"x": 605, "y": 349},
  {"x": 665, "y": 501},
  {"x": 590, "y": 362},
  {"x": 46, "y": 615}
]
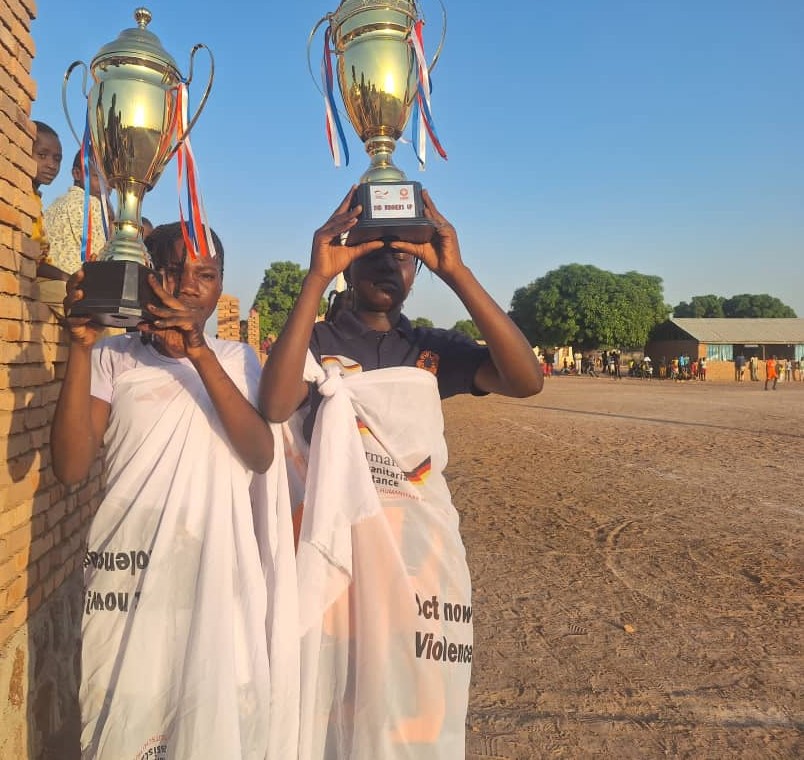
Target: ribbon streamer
[
  {"x": 333, "y": 120},
  {"x": 422, "y": 116},
  {"x": 86, "y": 231},
  {"x": 196, "y": 230}
]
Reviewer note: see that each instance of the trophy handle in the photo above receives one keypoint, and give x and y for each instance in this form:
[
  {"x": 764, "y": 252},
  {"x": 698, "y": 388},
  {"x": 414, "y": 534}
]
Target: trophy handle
[
  {"x": 204, "y": 97},
  {"x": 67, "y": 74},
  {"x": 443, "y": 37},
  {"x": 310, "y": 38}
]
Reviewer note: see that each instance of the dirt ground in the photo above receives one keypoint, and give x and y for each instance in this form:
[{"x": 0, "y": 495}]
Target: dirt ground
[{"x": 636, "y": 555}]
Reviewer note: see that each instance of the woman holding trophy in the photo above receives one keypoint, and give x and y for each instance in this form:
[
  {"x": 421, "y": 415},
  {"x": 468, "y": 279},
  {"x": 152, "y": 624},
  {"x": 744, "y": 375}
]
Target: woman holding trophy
[
  {"x": 186, "y": 559},
  {"x": 189, "y": 574},
  {"x": 385, "y": 594}
]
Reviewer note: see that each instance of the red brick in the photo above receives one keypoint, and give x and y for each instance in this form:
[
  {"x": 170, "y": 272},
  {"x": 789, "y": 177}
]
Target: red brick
[
  {"x": 35, "y": 599},
  {"x": 46, "y": 563},
  {"x": 12, "y": 518},
  {"x": 56, "y": 513},
  {"x": 9, "y": 283},
  {"x": 10, "y": 308},
  {"x": 41, "y": 545},
  {"x": 22, "y": 15},
  {"x": 18, "y": 493},
  {"x": 7, "y": 628},
  {"x": 18, "y": 445},
  {"x": 8, "y": 214},
  {"x": 19, "y": 28},
  {"x": 71, "y": 524},
  {"x": 9, "y": 259},
  {"x": 20, "y": 614},
  {"x": 8, "y": 572},
  {"x": 14, "y": 593}
]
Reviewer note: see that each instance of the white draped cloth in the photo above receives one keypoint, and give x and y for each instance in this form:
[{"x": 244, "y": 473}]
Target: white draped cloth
[
  {"x": 190, "y": 641},
  {"x": 384, "y": 588}
]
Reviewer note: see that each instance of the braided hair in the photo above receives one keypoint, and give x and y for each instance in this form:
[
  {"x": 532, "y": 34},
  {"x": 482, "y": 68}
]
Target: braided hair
[{"x": 161, "y": 241}]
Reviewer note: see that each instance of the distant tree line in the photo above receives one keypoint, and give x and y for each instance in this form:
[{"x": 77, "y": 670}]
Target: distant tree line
[
  {"x": 743, "y": 306},
  {"x": 576, "y": 304}
]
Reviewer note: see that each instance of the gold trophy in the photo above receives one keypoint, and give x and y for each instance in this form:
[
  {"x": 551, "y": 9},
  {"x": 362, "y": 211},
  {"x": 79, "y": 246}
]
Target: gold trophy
[
  {"x": 378, "y": 78},
  {"x": 132, "y": 117}
]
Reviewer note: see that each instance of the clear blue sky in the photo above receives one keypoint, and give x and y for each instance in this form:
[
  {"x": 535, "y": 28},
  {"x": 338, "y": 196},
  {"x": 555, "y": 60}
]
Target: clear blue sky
[{"x": 662, "y": 136}]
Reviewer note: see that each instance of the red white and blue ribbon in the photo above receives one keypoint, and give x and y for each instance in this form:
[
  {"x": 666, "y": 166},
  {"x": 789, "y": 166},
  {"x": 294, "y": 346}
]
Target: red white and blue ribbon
[
  {"x": 196, "y": 230},
  {"x": 333, "y": 121},
  {"x": 423, "y": 124}
]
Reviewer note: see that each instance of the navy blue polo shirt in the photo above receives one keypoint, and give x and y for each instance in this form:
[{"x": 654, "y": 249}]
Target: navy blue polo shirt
[{"x": 450, "y": 355}]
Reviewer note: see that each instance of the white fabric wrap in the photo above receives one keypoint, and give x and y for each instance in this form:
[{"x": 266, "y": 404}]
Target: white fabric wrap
[
  {"x": 384, "y": 589},
  {"x": 187, "y": 589}
]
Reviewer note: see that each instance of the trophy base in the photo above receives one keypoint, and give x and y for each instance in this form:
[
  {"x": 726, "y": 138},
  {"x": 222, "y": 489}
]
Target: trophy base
[
  {"x": 115, "y": 293},
  {"x": 391, "y": 211}
]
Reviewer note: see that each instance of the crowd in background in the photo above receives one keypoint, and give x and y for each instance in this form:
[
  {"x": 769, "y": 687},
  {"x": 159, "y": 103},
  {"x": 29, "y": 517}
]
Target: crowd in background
[{"x": 683, "y": 367}]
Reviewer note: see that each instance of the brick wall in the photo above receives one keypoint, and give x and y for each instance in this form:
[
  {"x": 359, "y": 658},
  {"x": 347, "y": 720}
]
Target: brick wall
[
  {"x": 228, "y": 318},
  {"x": 253, "y": 329},
  {"x": 42, "y": 524}
]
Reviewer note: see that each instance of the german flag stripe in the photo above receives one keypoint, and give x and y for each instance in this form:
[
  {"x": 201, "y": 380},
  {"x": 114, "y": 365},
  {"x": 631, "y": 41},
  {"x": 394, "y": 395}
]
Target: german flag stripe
[{"x": 420, "y": 473}]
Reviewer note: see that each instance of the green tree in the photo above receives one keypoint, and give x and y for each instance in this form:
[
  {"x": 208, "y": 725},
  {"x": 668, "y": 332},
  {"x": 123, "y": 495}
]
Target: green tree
[
  {"x": 747, "y": 305},
  {"x": 744, "y": 305},
  {"x": 701, "y": 306},
  {"x": 421, "y": 322},
  {"x": 276, "y": 295},
  {"x": 581, "y": 305},
  {"x": 467, "y": 327}
]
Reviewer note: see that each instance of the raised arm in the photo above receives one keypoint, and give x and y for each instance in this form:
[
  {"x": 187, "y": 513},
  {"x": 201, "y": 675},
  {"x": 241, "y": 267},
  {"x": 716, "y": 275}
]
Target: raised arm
[
  {"x": 80, "y": 420},
  {"x": 282, "y": 387},
  {"x": 513, "y": 369},
  {"x": 247, "y": 431}
]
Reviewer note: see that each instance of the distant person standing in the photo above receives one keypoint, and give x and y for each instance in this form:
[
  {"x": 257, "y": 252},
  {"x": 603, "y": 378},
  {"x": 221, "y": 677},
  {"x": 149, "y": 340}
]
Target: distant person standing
[
  {"x": 616, "y": 360},
  {"x": 64, "y": 222},
  {"x": 47, "y": 155},
  {"x": 771, "y": 372},
  {"x": 753, "y": 368},
  {"x": 547, "y": 367},
  {"x": 739, "y": 368},
  {"x": 684, "y": 366}
]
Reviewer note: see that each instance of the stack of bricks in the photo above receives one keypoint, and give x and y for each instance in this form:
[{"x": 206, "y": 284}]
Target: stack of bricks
[
  {"x": 42, "y": 523},
  {"x": 229, "y": 318},
  {"x": 253, "y": 330}
]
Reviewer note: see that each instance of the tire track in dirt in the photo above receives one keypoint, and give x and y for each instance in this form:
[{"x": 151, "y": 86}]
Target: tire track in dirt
[{"x": 622, "y": 508}]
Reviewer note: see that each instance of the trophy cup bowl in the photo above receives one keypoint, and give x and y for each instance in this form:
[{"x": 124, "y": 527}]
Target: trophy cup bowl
[
  {"x": 377, "y": 79},
  {"x": 132, "y": 114}
]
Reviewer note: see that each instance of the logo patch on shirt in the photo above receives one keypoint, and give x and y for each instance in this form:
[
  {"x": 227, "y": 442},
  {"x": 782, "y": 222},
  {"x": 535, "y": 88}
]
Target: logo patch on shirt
[{"x": 428, "y": 360}]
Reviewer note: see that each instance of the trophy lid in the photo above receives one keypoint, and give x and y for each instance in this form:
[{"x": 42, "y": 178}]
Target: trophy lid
[{"x": 139, "y": 42}]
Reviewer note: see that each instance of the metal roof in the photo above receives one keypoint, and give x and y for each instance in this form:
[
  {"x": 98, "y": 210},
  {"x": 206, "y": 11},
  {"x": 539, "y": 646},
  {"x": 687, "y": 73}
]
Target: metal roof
[{"x": 742, "y": 331}]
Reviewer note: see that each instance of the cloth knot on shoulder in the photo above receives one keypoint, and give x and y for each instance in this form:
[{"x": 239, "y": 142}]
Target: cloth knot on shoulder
[{"x": 331, "y": 383}]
